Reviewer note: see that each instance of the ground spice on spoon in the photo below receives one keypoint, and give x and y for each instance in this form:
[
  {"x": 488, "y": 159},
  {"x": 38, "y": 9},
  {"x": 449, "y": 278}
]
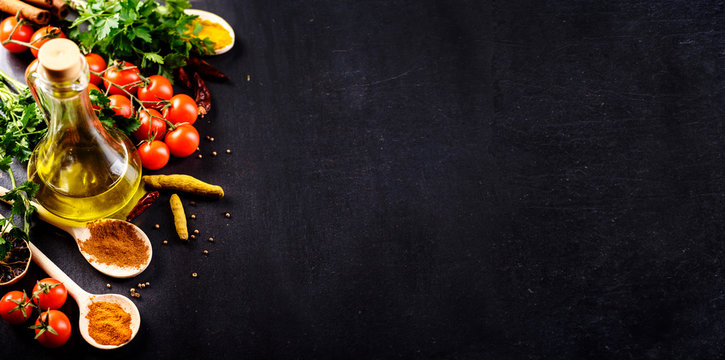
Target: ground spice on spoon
[
  {"x": 115, "y": 243},
  {"x": 108, "y": 323}
]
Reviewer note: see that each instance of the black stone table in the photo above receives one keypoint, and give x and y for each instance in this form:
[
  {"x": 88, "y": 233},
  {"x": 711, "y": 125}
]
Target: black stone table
[{"x": 441, "y": 180}]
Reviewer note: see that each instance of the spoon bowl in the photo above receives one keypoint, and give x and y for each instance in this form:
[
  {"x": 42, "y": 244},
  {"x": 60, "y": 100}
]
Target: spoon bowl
[
  {"x": 85, "y": 299},
  {"x": 81, "y": 233}
]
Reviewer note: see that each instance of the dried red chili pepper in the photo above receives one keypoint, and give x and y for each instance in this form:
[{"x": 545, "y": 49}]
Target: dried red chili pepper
[
  {"x": 142, "y": 205},
  {"x": 202, "y": 96},
  {"x": 205, "y": 68},
  {"x": 181, "y": 74}
]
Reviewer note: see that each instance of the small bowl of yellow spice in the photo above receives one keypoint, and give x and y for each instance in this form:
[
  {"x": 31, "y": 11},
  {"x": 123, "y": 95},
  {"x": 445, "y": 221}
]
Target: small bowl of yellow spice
[{"x": 215, "y": 29}]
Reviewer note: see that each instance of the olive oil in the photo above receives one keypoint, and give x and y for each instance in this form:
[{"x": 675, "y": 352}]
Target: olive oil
[
  {"x": 84, "y": 172},
  {"x": 81, "y": 186}
]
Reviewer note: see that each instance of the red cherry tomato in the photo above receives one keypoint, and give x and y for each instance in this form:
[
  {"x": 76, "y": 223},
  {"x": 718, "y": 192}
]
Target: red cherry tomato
[
  {"x": 49, "y": 293},
  {"x": 42, "y": 35},
  {"x": 159, "y": 88},
  {"x": 183, "y": 140},
  {"x": 182, "y": 109},
  {"x": 121, "y": 105},
  {"x": 152, "y": 127},
  {"x": 58, "y": 322},
  {"x": 96, "y": 63},
  {"x": 154, "y": 154},
  {"x": 32, "y": 67},
  {"x": 94, "y": 87},
  {"x": 22, "y": 33},
  {"x": 125, "y": 76},
  {"x": 11, "y": 311}
]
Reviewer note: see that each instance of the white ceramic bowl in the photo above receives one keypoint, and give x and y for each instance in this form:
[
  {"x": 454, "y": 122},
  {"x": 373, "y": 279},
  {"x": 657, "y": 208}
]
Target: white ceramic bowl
[{"x": 205, "y": 15}]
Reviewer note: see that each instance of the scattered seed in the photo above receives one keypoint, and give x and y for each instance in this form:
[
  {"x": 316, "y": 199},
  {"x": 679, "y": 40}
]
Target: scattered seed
[
  {"x": 211, "y": 139},
  {"x": 227, "y": 215},
  {"x": 248, "y": 77},
  {"x": 133, "y": 290},
  {"x": 156, "y": 226},
  {"x": 192, "y": 236},
  {"x": 197, "y": 149},
  {"x": 136, "y": 295},
  {"x": 193, "y": 216},
  {"x": 196, "y": 231},
  {"x": 192, "y": 203},
  {"x": 207, "y": 137},
  {"x": 199, "y": 156},
  {"x": 108, "y": 286},
  {"x": 213, "y": 153},
  {"x": 165, "y": 242},
  {"x": 148, "y": 283},
  {"x": 211, "y": 239},
  {"x": 194, "y": 274},
  {"x": 229, "y": 151},
  {"x": 206, "y": 252}
]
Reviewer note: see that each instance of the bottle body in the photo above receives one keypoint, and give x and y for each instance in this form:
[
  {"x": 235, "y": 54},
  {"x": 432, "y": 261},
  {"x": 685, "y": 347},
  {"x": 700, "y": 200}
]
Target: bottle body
[{"x": 84, "y": 172}]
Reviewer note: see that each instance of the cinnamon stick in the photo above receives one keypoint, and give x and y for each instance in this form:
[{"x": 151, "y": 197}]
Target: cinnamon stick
[
  {"x": 45, "y": 4},
  {"x": 29, "y": 12},
  {"x": 59, "y": 9}
]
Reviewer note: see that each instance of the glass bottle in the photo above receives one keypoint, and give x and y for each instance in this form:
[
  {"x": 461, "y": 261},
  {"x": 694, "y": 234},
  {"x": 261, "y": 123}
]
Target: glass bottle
[{"x": 85, "y": 172}]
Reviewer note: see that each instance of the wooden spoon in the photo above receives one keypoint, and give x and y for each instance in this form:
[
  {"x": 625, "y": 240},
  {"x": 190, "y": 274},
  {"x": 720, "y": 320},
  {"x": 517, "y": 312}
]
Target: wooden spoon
[
  {"x": 85, "y": 299},
  {"x": 81, "y": 233}
]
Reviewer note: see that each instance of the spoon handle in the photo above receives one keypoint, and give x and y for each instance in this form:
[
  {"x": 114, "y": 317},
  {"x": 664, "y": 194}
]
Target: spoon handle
[
  {"x": 55, "y": 272},
  {"x": 46, "y": 215}
]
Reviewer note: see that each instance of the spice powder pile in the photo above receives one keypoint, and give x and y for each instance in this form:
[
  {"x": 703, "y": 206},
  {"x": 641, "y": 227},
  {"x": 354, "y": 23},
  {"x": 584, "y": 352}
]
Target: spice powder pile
[
  {"x": 115, "y": 243},
  {"x": 108, "y": 323}
]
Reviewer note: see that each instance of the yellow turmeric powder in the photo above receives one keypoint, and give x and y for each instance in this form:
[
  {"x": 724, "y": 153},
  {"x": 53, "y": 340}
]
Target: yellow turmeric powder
[
  {"x": 179, "y": 217},
  {"x": 108, "y": 323},
  {"x": 185, "y": 183},
  {"x": 214, "y": 32}
]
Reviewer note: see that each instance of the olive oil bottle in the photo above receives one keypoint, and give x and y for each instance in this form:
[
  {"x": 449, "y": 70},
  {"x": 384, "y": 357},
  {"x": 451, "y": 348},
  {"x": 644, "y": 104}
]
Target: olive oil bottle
[{"x": 84, "y": 171}]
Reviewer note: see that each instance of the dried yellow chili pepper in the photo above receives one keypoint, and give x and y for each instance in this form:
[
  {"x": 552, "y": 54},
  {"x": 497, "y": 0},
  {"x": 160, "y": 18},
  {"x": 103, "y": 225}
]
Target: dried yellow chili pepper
[{"x": 179, "y": 217}]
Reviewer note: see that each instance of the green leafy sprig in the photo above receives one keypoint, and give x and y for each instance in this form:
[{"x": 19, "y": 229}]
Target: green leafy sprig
[{"x": 157, "y": 38}]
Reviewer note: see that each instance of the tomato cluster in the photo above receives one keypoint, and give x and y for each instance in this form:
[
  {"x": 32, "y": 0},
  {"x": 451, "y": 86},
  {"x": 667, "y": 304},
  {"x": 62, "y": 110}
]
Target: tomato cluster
[
  {"x": 166, "y": 118},
  {"x": 52, "y": 327},
  {"x": 18, "y": 36}
]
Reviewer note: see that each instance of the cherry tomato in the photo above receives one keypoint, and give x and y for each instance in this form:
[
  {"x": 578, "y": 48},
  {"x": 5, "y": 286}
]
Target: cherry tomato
[
  {"x": 183, "y": 140},
  {"x": 94, "y": 87},
  {"x": 96, "y": 63},
  {"x": 59, "y": 322},
  {"x": 182, "y": 109},
  {"x": 22, "y": 33},
  {"x": 152, "y": 125},
  {"x": 121, "y": 77},
  {"x": 42, "y": 35},
  {"x": 158, "y": 88},
  {"x": 49, "y": 293},
  {"x": 32, "y": 67},
  {"x": 11, "y": 311},
  {"x": 121, "y": 105},
  {"x": 154, "y": 154}
]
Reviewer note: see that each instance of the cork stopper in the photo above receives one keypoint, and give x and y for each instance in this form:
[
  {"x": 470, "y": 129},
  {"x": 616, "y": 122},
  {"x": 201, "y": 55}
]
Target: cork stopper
[{"x": 60, "y": 60}]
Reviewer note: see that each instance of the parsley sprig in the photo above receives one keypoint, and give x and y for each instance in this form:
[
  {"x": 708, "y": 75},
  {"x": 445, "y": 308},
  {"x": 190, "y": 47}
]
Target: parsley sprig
[
  {"x": 22, "y": 125},
  {"x": 157, "y": 38}
]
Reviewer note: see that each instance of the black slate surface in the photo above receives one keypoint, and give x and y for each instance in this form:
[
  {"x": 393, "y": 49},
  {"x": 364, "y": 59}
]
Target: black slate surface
[{"x": 443, "y": 180}]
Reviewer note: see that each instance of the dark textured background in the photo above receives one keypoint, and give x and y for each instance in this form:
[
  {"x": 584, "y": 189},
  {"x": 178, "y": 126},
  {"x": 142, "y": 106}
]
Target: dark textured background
[{"x": 443, "y": 180}]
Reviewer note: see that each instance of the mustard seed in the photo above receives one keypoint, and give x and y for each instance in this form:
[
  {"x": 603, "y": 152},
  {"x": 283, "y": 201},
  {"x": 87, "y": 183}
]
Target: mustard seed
[
  {"x": 108, "y": 286},
  {"x": 211, "y": 139},
  {"x": 194, "y": 274},
  {"x": 213, "y": 153},
  {"x": 148, "y": 283},
  {"x": 206, "y": 252},
  {"x": 196, "y": 231},
  {"x": 156, "y": 226},
  {"x": 199, "y": 156},
  {"x": 211, "y": 239},
  {"x": 165, "y": 242},
  {"x": 229, "y": 151},
  {"x": 193, "y": 216},
  {"x": 227, "y": 215}
]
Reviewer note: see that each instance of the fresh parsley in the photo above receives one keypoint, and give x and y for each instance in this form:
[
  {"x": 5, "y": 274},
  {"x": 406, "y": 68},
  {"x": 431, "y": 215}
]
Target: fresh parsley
[{"x": 156, "y": 38}]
